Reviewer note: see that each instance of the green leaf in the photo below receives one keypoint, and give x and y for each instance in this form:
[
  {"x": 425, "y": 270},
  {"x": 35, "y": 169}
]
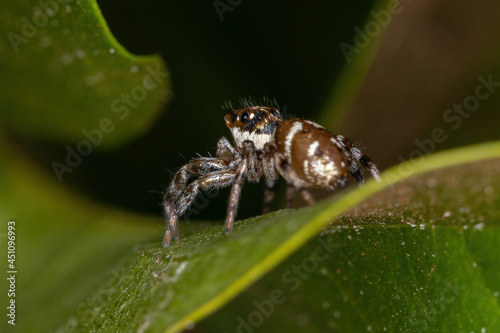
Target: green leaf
[
  {"x": 66, "y": 246},
  {"x": 169, "y": 289},
  {"x": 418, "y": 256},
  {"x": 419, "y": 251},
  {"x": 65, "y": 76}
]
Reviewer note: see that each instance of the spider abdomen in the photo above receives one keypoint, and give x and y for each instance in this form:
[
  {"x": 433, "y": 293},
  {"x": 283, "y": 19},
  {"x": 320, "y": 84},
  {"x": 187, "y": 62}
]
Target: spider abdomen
[{"x": 313, "y": 153}]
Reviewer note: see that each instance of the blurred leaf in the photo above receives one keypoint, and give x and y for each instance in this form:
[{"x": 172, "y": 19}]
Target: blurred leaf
[
  {"x": 170, "y": 289},
  {"x": 419, "y": 73},
  {"x": 65, "y": 77},
  {"x": 359, "y": 54},
  {"x": 65, "y": 245}
]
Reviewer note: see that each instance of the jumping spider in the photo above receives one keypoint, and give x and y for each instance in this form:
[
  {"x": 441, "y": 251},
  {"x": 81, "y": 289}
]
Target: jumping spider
[{"x": 301, "y": 151}]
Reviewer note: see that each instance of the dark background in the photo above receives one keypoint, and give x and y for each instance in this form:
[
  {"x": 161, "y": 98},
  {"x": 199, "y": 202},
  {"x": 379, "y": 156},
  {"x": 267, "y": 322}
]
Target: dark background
[{"x": 429, "y": 59}]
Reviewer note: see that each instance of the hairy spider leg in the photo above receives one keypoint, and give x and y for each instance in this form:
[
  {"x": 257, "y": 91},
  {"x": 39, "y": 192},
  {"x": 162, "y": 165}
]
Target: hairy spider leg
[
  {"x": 355, "y": 156},
  {"x": 179, "y": 193},
  {"x": 247, "y": 169},
  {"x": 216, "y": 179},
  {"x": 254, "y": 171},
  {"x": 271, "y": 180},
  {"x": 195, "y": 167},
  {"x": 201, "y": 165},
  {"x": 225, "y": 150},
  {"x": 234, "y": 196}
]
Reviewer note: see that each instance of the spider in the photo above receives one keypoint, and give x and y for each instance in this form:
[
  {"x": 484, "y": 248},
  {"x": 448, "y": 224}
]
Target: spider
[{"x": 303, "y": 152}]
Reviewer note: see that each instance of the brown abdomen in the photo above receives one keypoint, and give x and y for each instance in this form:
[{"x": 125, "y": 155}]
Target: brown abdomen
[{"x": 313, "y": 152}]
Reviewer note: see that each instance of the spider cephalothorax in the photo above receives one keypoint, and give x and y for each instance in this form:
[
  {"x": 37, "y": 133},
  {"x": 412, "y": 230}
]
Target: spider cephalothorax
[
  {"x": 301, "y": 151},
  {"x": 256, "y": 124}
]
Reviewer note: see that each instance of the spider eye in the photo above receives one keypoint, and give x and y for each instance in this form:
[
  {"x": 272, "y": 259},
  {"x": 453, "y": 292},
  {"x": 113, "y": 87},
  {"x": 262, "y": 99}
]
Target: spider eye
[
  {"x": 234, "y": 117},
  {"x": 244, "y": 117}
]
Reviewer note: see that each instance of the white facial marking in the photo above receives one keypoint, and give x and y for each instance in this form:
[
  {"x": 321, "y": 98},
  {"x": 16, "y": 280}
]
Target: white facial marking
[
  {"x": 312, "y": 148},
  {"x": 259, "y": 140},
  {"x": 238, "y": 136},
  {"x": 297, "y": 126}
]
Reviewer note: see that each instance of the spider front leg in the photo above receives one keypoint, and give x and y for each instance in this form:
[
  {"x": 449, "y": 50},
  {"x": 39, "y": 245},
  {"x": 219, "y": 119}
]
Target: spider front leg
[
  {"x": 215, "y": 179},
  {"x": 225, "y": 150},
  {"x": 234, "y": 197},
  {"x": 248, "y": 159},
  {"x": 355, "y": 156},
  {"x": 197, "y": 166}
]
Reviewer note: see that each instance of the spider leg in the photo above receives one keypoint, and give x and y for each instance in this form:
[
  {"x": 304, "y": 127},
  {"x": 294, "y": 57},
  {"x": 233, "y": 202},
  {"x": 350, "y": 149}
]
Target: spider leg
[
  {"x": 271, "y": 179},
  {"x": 254, "y": 170},
  {"x": 225, "y": 150},
  {"x": 356, "y": 174},
  {"x": 355, "y": 156},
  {"x": 197, "y": 166},
  {"x": 248, "y": 152},
  {"x": 234, "y": 197},
  {"x": 290, "y": 195},
  {"x": 214, "y": 179},
  {"x": 269, "y": 193}
]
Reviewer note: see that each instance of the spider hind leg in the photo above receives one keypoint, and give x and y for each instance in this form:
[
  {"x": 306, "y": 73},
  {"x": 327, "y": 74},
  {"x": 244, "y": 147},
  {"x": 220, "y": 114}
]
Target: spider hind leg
[{"x": 355, "y": 156}]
